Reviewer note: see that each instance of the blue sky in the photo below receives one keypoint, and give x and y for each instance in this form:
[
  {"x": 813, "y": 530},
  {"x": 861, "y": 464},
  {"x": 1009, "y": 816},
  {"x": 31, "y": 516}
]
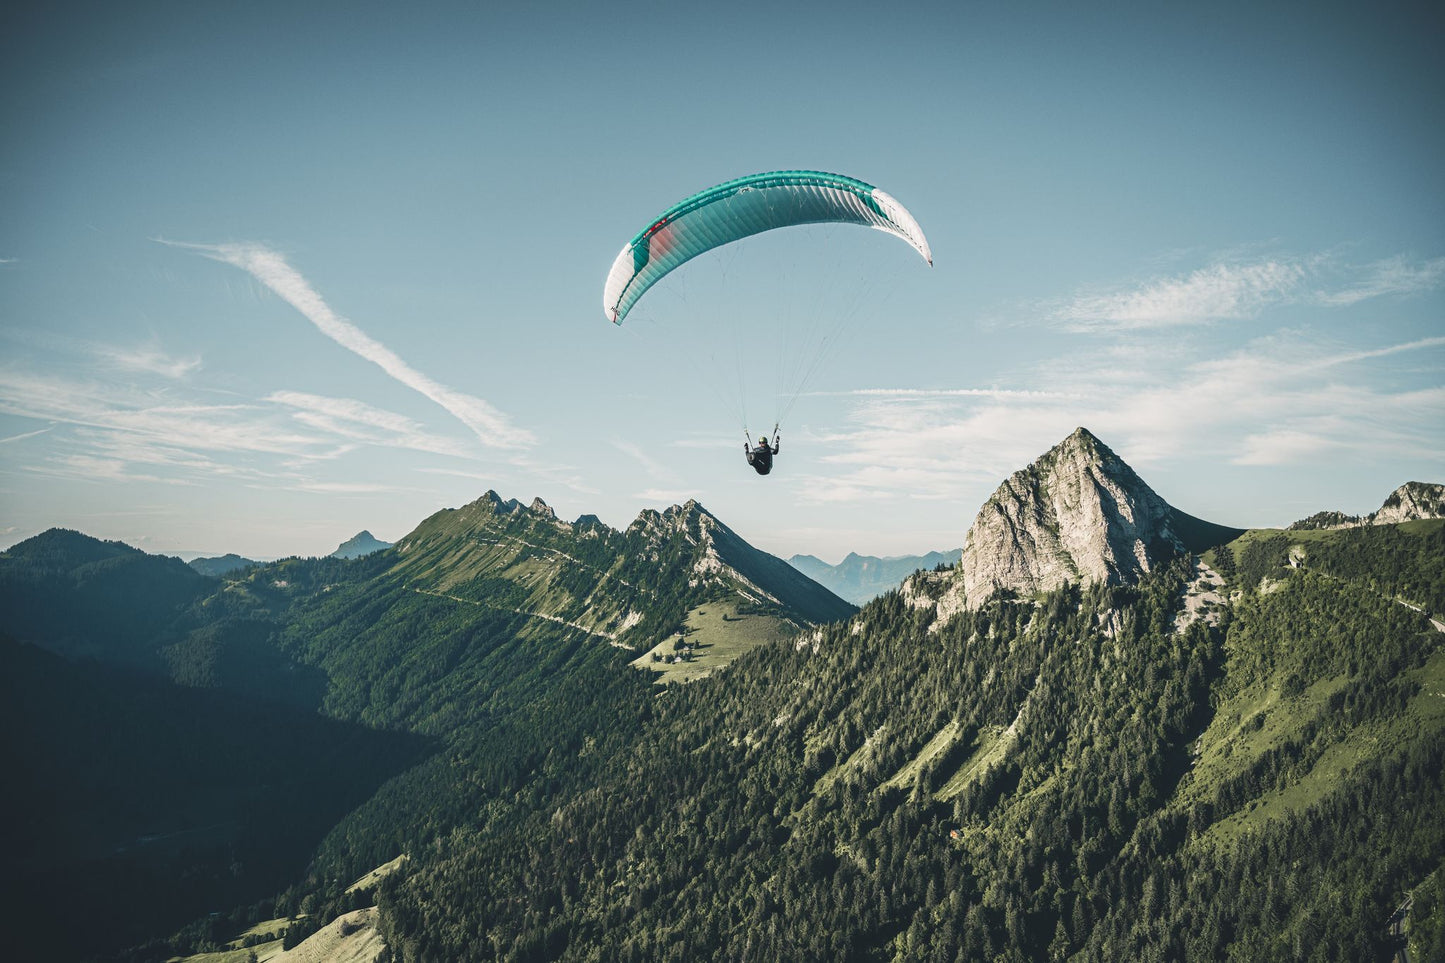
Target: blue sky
[{"x": 273, "y": 273}]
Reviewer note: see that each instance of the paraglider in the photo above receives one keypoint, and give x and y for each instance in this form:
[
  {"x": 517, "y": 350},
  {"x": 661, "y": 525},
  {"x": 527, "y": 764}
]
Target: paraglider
[
  {"x": 741, "y": 208},
  {"x": 761, "y": 457}
]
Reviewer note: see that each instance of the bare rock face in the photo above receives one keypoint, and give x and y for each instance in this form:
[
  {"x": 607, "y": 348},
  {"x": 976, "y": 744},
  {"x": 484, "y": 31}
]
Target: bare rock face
[
  {"x": 1411, "y": 501},
  {"x": 1077, "y": 514}
]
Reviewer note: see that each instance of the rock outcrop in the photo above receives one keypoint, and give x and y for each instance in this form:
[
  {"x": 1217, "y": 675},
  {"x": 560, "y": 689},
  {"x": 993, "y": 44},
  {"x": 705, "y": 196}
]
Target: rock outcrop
[
  {"x": 1410, "y": 502},
  {"x": 1077, "y": 514}
]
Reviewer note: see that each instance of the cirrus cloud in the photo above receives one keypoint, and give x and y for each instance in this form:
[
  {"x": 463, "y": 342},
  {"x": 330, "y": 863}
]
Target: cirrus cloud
[
  {"x": 1230, "y": 290},
  {"x": 491, "y": 426}
]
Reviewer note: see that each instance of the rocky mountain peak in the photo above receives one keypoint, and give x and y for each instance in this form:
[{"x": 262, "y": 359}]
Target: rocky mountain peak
[
  {"x": 1079, "y": 513},
  {"x": 1411, "y": 501},
  {"x": 362, "y": 543},
  {"x": 497, "y": 504},
  {"x": 689, "y": 517}
]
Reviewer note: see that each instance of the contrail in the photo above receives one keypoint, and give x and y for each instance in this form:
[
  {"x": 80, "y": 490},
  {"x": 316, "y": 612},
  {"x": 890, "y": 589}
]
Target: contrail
[{"x": 267, "y": 266}]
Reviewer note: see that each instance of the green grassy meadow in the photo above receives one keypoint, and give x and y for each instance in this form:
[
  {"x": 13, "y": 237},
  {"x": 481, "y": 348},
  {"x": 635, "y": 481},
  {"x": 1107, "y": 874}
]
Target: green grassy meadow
[{"x": 718, "y": 635}]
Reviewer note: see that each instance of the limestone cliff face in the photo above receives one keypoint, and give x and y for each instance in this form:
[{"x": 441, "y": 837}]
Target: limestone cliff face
[
  {"x": 1411, "y": 501},
  {"x": 1077, "y": 514}
]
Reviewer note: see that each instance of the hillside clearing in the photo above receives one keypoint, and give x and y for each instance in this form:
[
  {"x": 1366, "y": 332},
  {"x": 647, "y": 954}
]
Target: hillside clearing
[
  {"x": 1424, "y": 712},
  {"x": 852, "y": 762},
  {"x": 940, "y": 742},
  {"x": 717, "y": 634},
  {"x": 377, "y": 875},
  {"x": 350, "y": 938},
  {"x": 993, "y": 746}
]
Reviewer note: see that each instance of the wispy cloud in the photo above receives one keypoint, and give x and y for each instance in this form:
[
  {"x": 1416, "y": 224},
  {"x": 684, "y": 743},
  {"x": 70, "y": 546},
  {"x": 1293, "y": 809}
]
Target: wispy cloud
[
  {"x": 1283, "y": 399},
  {"x": 939, "y": 393},
  {"x": 656, "y": 469},
  {"x": 151, "y": 360},
  {"x": 551, "y": 475},
  {"x": 1392, "y": 276},
  {"x": 663, "y": 496},
  {"x": 150, "y": 415},
  {"x": 1347, "y": 357},
  {"x": 145, "y": 358},
  {"x": 90, "y": 468},
  {"x": 22, "y": 437},
  {"x": 1230, "y": 290},
  {"x": 489, "y": 425},
  {"x": 340, "y": 488},
  {"x": 522, "y": 472},
  {"x": 1214, "y": 293},
  {"x": 716, "y": 441},
  {"x": 122, "y": 432},
  {"x": 361, "y": 422}
]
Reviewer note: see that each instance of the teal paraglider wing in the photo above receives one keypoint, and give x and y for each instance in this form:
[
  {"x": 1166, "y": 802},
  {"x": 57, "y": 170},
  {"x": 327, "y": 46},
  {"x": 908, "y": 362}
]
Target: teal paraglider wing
[{"x": 741, "y": 208}]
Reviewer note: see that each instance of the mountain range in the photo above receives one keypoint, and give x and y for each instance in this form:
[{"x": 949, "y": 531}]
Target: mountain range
[
  {"x": 362, "y": 543},
  {"x": 860, "y": 578},
  {"x": 1109, "y": 731}
]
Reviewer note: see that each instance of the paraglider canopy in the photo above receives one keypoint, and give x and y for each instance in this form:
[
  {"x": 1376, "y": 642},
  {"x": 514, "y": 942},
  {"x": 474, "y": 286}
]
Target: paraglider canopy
[{"x": 744, "y": 207}]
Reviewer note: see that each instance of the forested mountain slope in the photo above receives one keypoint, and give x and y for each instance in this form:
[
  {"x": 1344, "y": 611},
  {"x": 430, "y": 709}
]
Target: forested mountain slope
[
  {"x": 1079, "y": 775},
  {"x": 497, "y": 634},
  {"x": 80, "y": 596},
  {"x": 1234, "y": 755},
  {"x": 138, "y": 805}
]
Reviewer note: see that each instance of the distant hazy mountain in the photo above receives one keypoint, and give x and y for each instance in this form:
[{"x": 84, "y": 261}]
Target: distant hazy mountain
[
  {"x": 859, "y": 578},
  {"x": 362, "y": 543},
  {"x": 220, "y": 564},
  {"x": 1410, "y": 502}
]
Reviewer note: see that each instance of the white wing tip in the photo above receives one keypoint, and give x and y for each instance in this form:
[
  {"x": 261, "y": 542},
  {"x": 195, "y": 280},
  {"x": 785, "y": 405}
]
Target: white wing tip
[
  {"x": 905, "y": 221},
  {"x": 617, "y": 281}
]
